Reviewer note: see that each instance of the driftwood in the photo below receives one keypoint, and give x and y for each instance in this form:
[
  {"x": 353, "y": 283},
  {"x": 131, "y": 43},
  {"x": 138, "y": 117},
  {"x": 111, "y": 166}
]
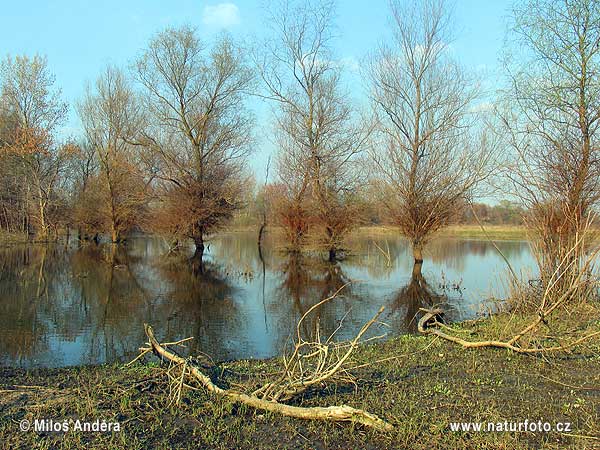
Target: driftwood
[
  {"x": 563, "y": 284},
  {"x": 429, "y": 325},
  {"x": 314, "y": 362},
  {"x": 342, "y": 413}
]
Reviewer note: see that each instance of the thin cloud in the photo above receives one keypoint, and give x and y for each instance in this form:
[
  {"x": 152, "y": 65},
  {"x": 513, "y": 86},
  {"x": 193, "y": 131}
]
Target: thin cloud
[
  {"x": 222, "y": 15},
  {"x": 350, "y": 63},
  {"x": 482, "y": 107}
]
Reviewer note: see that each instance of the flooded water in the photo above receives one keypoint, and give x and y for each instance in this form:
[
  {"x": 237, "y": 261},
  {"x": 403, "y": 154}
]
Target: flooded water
[{"x": 63, "y": 305}]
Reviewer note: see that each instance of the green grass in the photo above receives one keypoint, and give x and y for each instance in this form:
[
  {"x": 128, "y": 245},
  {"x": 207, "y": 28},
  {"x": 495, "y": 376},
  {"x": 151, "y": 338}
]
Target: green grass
[{"x": 427, "y": 384}]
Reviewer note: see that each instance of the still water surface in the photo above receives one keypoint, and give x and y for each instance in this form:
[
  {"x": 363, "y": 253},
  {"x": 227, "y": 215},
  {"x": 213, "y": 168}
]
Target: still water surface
[{"x": 64, "y": 305}]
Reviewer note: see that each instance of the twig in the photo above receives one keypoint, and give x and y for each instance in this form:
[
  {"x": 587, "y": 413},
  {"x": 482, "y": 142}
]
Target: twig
[
  {"x": 570, "y": 386},
  {"x": 387, "y": 255},
  {"x": 582, "y": 436},
  {"x": 144, "y": 351}
]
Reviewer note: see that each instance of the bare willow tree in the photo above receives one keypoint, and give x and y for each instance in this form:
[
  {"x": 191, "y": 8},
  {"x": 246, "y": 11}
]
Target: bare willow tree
[
  {"x": 552, "y": 120},
  {"x": 112, "y": 117},
  {"x": 318, "y": 132},
  {"x": 29, "y": 96},
  {"x": 430, "y": 153},
  {"x": 200, "y": 134}
]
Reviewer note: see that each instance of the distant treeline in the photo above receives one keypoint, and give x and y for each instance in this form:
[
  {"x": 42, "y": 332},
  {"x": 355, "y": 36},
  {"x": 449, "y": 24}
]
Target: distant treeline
[
  {"x": 504, "y": 213},
  {"x": 165, "y": 144},
  {"x": 372, "y": 212}
]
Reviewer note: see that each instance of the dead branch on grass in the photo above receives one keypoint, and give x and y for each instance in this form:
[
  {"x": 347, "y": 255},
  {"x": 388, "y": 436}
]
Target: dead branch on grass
[
  {"x": 311, "y": 363},
  {"x": 314, "y": 362},
  {"x": 428, "y": 324},
  {"x": 568, "y": 279}
]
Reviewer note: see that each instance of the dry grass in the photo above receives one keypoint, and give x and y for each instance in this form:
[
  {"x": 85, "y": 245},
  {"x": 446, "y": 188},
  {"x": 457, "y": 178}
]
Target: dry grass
[{"x": 499, "y": 232}]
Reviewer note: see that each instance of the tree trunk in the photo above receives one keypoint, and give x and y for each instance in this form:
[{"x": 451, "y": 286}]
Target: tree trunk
[
  {"x": 332, "y": 254},
  {"x": 332, "y": 249},
  {"x": 44, "y": 232},
  {"x": 199, "y": 242},
  {"x": 418, "y": 256},
  {"x": 417, "y": 270},
  {"x": 115, "y": 234},
  {"x": 260, "y": 234},
  {"x": 196, "y": 260}
]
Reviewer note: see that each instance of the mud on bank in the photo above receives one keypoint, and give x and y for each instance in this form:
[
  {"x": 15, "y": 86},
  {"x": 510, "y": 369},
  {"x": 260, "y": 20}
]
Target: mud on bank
[{"x": 421, "y": 386}]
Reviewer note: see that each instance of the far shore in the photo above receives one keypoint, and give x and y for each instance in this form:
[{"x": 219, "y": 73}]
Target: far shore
[{"x": 494, "y": 232}]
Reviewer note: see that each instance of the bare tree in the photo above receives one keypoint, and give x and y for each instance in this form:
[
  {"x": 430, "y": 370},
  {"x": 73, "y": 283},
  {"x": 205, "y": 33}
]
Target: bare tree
[
  {"x": 428, "y": 152},
  {"x": 12, "y": 199},
  {"x": 201, "y": 131},
  {"x": 552, "y": 118},
  {"x": 318, "y": 132},
  {"x": 83, "y": 172},
  {"x": 263, "y": 206},
  {"x": 28, "y": 95},
  {"x": 112, "y": 119}
]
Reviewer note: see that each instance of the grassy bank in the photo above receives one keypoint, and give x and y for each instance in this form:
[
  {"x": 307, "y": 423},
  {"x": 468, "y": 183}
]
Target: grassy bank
[
  {"x": 418, "y": 383},
  {"x": 8, "y": 238},
  {"x": 498, "y": 232}
]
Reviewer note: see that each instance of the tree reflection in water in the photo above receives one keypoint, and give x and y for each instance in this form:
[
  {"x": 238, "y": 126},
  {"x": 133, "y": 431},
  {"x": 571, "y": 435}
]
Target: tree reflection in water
[
  {"x": 304, "y": 283},
  {"x": 111, "y": 298},
  {"x": 416, "y": 294},
  {"x": 67, "y": 305},
  {"x": 198, "y": 301},
  {"x": 23, "y": 275}
]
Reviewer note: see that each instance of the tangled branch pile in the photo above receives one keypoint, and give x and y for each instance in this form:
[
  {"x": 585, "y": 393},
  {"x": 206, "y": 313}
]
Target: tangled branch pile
[
  {"x": 311, "y": 363},
  {"x": 314, "y": 362}
]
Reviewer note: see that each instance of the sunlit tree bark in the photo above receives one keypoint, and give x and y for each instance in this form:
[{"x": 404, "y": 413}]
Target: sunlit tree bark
[
  {"x": 112, "y": 119},
  {"x": 29, "y": 95}
]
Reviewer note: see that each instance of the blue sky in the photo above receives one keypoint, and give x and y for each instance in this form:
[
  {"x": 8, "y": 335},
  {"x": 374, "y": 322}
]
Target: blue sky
[{"x": 80, "y": 37}]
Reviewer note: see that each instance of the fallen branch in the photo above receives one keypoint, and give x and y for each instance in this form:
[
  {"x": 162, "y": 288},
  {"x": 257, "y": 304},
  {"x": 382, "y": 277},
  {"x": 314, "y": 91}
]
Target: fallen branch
[
  {"x": 428, "y": 325},
  {"x": 341, "y": 413},
  {"x": 313, "y": 362},
  {"x": 566, "y": 280}
]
